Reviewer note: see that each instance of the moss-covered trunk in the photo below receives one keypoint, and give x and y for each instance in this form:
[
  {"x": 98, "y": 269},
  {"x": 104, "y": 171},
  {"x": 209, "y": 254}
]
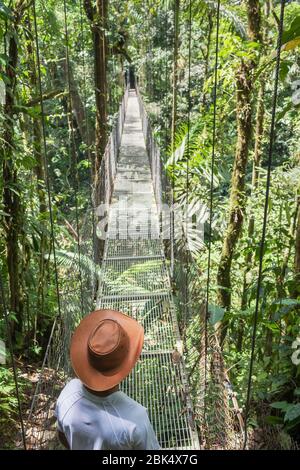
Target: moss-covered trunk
[
  {"x": 244, "y": 87},
  {"x": 237, "y": 196},
  {"x": 259, "y": 132},
  {"x": 100, "y": 88},
  {"x": 11, "y": 194},
  {"x": 97, "y": 14}
]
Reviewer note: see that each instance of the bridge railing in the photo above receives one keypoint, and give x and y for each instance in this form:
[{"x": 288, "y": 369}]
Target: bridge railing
[
  {"x": 162, "y": 189},
  {"x": 158, "y": 173},
  {"x": 108, "y": 167}
]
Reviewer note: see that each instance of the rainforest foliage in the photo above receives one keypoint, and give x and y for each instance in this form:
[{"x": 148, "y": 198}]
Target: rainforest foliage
[{"x": 68, "y": 66}]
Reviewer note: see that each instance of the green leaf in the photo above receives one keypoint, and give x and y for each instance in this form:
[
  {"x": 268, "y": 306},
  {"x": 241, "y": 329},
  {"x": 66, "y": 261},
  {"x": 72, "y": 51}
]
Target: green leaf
[
  {"x": 84, "y": 164},
  {"x": 271, "y": 326},
  {"x": 292, "y": 413},
  {"x": 284, "y": 69},
  {"x": 216, "y": 313},
  {"x": 273, "y": 420},
  {"x": 293, "y": 32},
  {"x": 28, "y": 162},
  {"x": 289, "y": 425},
  {"x": 5, "y": 12},
  {"x": 288, "y": 302},
  {"x": 281, "y": 405},
  {"x": 4, "y": 59},
  {"x": 286, "y": 305}
]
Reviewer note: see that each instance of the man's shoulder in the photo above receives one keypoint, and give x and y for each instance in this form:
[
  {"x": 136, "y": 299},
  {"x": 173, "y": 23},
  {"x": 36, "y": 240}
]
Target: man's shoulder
[
  {"x": 71, "y": 387},
  {"x": 136, "y": 408},
  {"x": 70, "y": 394}
]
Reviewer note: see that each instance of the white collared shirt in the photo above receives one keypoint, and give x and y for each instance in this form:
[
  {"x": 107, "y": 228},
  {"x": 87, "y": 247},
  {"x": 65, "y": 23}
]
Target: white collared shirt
[{"x": 114, "y": 422}]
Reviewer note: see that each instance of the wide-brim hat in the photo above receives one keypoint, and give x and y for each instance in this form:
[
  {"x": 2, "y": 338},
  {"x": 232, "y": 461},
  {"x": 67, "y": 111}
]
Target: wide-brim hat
[{"x": 105, "y": 347}]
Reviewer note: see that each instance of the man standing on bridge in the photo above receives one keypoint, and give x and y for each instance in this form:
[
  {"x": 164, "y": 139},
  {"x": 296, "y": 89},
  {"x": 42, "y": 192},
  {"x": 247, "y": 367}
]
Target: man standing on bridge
[{"x": 92, "y": 413}]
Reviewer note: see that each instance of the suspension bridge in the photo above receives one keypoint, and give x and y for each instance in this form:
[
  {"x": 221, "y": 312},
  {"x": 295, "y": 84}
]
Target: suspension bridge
[{"x": 134, "y": 278}]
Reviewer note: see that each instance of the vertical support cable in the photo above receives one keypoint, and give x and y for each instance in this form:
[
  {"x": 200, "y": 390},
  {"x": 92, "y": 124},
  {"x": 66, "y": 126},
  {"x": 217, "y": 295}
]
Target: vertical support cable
[
  {"x": 88, "y": 143},
  {"x": 188, "y": 165},
  {"x": 73, "y": 151},
  {"x": 176, "y": 13},
  {"x": 170, "y": 200},
  {"x": 265, "y": 219},
  {"x": 211, "y": 194},
  {"x": 45, "y": 157}
]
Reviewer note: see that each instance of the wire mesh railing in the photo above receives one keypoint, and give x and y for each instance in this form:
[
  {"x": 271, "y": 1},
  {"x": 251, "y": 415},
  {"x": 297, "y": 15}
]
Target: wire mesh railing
[
  {"x": 108, "y": 167},
  {"x": 159, "y": 178}
]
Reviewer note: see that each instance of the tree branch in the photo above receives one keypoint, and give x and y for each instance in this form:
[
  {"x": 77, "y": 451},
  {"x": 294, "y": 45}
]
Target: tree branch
[
  {"x": 276, "y": 19},
  {"x": 58, "y": 93}
]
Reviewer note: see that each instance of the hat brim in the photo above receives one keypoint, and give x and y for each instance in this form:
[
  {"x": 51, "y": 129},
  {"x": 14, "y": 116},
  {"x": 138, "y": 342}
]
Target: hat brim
[{"x": 91, "y": 377}]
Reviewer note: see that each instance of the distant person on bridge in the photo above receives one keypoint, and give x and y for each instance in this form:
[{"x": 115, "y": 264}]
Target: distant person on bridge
[{"x": 92, "y": 413}]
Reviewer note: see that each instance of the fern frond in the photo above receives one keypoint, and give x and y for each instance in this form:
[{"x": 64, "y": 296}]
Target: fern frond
[{"x": 70, "y": 260}]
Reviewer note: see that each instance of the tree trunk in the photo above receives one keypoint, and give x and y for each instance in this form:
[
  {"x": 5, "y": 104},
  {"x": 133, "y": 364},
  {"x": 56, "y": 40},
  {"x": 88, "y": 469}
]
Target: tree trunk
[
  {"x": 40, "y": 177},
  {"x": 244, "y": 80},
  {"x": 98, "y": 17},
  {"x": 100, "y": 88},
  {"x": 78, "y": 109},
  {"x": 76, "y": 106},
  {"x": 260, "y": 114},
  {"x": 259, "y": 134},
  {"x": 11, "y": 197},
  {"x": 40, "y": 182}
]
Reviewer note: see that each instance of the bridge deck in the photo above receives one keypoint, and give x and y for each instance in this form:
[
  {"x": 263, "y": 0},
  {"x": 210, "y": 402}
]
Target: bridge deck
[{"x": 135, "y": 280}]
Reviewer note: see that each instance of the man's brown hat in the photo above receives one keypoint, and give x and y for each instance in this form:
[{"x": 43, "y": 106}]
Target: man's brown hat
[{"x": 105, "y": 347}]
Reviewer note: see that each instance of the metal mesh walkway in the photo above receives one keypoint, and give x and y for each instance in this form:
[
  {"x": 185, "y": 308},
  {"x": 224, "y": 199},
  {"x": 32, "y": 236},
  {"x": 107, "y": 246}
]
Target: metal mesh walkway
[{"x": 135, "y": 280}]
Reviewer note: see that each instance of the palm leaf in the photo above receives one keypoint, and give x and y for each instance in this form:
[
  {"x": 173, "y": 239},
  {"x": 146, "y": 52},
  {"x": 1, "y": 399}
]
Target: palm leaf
[{"x": 229, "y": 15}]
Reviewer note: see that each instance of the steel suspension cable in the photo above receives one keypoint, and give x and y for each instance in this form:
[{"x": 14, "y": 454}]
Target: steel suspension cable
[
  {"x": 265, "y": 219},
  {"x": 13, "y": 362},
  {"x": 216, "y": 64},
  {"x": 52, "y": 233},
  {"x": 150, "y": 54},
  {"x": 176, "y": 15},
  {"x": 115, "y": 95},
  {"x": 166, "y": 75},
  {"x": 87, "y": 130},
  {"x": 45, "y": 159},
  {"x": 165, "y": 143},
  {"x": 188, "y": 162},
  {"x": 72, "y": 150},
  {"x": 161, "y": 64}
]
